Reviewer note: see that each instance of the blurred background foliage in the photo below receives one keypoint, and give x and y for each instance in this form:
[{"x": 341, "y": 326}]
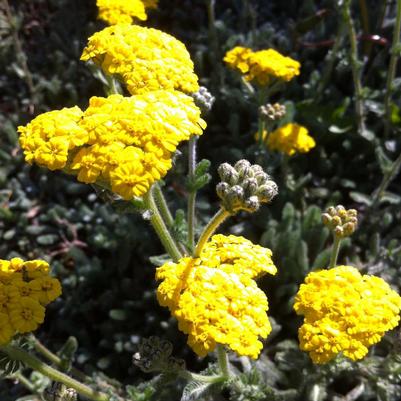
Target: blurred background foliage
[{"x": 101, "y": 251}]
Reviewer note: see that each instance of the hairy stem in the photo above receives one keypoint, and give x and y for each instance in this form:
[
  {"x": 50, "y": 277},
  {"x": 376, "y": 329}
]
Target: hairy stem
[
  {"x": 388, "y": 177},
  {"x": 53, "y": 374},
  {"x": 190, "y": 376},
  {"x": 355, "y": 66},
  {"x": 55, "y": 359},
  {"x": 392, "y": 69},
  {"x": 216, "y": 220},
  {"x": 160, "y": 227},
  {"x": 162, "y": 205},
  {"x": 334, "y": 252},
  {"x": 192, "y": 193},
  {"x": 222, "y": 359}
]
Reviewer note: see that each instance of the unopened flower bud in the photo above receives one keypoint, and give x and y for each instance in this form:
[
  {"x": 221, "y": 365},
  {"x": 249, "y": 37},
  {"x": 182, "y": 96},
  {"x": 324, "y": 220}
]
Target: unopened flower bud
[
  {"x": 339, "y": 231},
  {"x": 335, "y": 221},
  {"x": 341, "y": 221},
  {"x": 251, "y": 187},
  {"x": 222, "y": 189},
  {"x": 326, "y": 219},
  {"x": 251, "y": 204},
  {"x": 349, "y": 228},
  {"x": 272, "y": 112},
  {"x": 331, "y": 211},
  {"x": 203, "y": 99}
]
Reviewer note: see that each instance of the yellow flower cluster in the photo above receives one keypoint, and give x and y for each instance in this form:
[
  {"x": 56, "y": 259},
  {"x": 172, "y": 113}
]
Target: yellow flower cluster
[
  {"x": 263, "y": 66},
  {"x": 123, "y": 11},
  {"x": 145, "y": 59},
  {"x": 122, "y": 142},
  {"x": 215, "y": 297},
  {"x": 345, "y": 312},
  {"x": 25, "y": 289},
  {"x": 290, "y": 139}
]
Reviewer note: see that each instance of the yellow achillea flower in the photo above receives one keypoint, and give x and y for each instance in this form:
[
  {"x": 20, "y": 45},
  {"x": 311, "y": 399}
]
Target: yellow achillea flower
[
  {"x": 145, "y": 59},
  {"x": 345, "y": 312},
  {"x": 121, "y": 11},
  {"x": 262, "y": 66},
  {"x": 126, "y": 143},
  {"x": 25, "y": 289},
  {"x": 290, "y": 139},
  {"x": 215, "y": 297}
]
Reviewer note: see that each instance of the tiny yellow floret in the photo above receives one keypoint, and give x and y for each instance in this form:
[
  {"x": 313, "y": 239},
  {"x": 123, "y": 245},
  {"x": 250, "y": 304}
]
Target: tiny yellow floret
[
  {"x": 345, "y": 312},
  {"x": 215, "y": 297}
]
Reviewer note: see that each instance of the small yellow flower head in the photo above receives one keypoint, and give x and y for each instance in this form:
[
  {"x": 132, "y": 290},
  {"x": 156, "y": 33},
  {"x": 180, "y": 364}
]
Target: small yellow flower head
[
  {"x": 263, "y": 66},
  {"x": 290, "y": 139},
  {"x": 145, "y": 59},
  {"x": 48, "y": 138},
  {"x": 215, "y": 297},
  {"x": 121, "y": 11},
  {"x": 345, "y": 312},
  {"x": 238, "y": 58},
  {"x": 25, "y": 289},
  {"x": 126, "y": 143}
]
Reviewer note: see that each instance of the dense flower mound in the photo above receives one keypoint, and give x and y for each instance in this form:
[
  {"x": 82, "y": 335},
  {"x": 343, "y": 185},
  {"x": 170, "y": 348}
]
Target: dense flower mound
[
  {"x": 25, "y": 289},
  {"x": 126, "y": 143},
  {"x": 145, "y": 59},
  {"x": 263, "y": 66},
  {"x": 345, "y": 312},
  {"x": 121, "y": 11},
  {"x": 290, "y": 139},
  {"x": 215, "y": 297}
]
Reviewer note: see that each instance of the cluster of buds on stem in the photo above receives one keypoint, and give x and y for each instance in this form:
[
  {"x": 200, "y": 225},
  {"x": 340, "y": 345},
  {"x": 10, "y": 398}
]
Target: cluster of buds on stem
[
  {"x": 340, "y": 221},
  {"x": 154, "y": 355},
  {"x": 203, "y": 99},
  {"x": 272, "y": 112},
  {"x": 244, "y": 187},
  {"x": 59, "y": 392}
]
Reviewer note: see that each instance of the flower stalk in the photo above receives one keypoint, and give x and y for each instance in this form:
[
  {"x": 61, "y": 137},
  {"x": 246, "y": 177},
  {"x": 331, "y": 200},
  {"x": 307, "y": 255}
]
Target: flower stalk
[
  {"x": 160, "y": 227},
  {"x": 192, "y": 192},
  {"x": 392, "y": 69},
  {"x": 335, "y": 251},
  {"x": 211, "y": 227},
  {"x": 53, "y": 374},
  {"x": 222, "y": 358},
  {"x": 355, "y": 66}
]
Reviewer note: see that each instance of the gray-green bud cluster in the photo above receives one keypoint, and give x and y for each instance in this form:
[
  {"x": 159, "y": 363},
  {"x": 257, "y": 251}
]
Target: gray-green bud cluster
[
  {"x": 154, "y": 355},
  {"x": 244, "y": 187},
  {"x": 272, "y": 112},
  {"x": 203, "y": 99},
  {"x": 59, "y": 392},
  {"x": 340, "y": 221}
]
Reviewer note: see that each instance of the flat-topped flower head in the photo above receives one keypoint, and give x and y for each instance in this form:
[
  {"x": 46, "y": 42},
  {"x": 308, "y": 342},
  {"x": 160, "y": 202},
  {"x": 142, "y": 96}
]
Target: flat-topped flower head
[
  {"x": 262, "y": 67},
  {"x": 126, "y": 143},
  {"x": 290, "y": 139},
  {"x": 145, "y": 59},
  {"x": 215, "y": 297},
  {"x": 123, "y": 11},
  {"x": 25, "y": 290},
  {"x": 345, "y": 312}
]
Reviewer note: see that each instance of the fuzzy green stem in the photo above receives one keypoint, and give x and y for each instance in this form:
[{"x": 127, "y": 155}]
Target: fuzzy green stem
[
  {"x": 160, "y": 227},
  {"x": 192, "y": 192},
  {"x": 55, "y": 359},
  {"x": 262, "y": 99},
  {"x": 392, "y": 68},
  {"x": 222, "y": 359},
  {"x": 388, "y": 177},
  {"x": 334, "y": 252},
  {"x": 331, "y": 59},
  {"x": 190, "y": 376},
  {"x": 212, "y": 226},
  {"x": 53, "y": 374},
  {"x": 25, "y": 382},
  {"x": 355, "y": 66},
  {"x": 162, "y": 205}
]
